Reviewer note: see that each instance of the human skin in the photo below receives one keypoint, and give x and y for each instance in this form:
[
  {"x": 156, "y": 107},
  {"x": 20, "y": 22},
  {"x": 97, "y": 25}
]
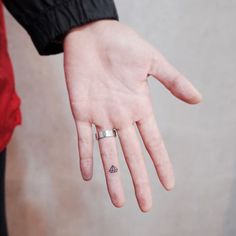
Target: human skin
[{"x": 106, "y": 68}]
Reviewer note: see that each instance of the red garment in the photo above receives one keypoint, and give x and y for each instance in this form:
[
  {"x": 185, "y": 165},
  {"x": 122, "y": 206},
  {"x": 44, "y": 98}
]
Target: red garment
[{"x": 10, "y": 114}]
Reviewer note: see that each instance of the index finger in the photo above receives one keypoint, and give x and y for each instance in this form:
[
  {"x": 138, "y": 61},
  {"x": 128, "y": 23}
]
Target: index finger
[{"x": 156, "y": 148}]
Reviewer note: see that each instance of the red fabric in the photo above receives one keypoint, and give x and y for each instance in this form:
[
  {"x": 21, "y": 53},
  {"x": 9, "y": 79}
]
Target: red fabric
[{"x": 10, "y": 114}]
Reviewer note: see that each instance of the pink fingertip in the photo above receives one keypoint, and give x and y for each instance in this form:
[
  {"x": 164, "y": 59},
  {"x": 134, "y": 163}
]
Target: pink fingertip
[{"x": 86, "y": 169}]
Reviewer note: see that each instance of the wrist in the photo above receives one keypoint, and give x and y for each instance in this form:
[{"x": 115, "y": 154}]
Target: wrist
[{"x": 88, "y": 30}]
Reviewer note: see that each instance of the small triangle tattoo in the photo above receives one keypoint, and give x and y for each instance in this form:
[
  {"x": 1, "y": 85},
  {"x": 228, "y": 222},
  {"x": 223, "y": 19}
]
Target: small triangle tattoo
[{"x": 113, "y": 169}]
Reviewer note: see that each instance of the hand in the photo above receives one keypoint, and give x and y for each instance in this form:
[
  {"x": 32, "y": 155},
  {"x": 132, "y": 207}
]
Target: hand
[{"x": 106, "y": 68}]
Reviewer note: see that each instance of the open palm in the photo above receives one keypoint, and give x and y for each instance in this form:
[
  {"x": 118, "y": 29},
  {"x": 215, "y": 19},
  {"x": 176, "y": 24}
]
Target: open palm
[{"x": 106, "y": 68}]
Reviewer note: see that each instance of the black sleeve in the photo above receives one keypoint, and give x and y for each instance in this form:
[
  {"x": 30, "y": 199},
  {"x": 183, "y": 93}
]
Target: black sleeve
[{"x": 47, "y": 21}]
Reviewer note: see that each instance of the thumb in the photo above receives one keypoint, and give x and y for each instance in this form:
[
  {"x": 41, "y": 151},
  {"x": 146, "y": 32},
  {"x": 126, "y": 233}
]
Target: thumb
[{"x": 173, "y": 80}]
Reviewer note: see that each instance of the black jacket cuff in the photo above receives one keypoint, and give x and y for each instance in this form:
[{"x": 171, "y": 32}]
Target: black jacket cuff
[{"x": 47, "y": 28}]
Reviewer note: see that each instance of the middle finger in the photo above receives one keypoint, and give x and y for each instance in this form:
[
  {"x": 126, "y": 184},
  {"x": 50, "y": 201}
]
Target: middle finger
[{"x": 135, "y": 161}]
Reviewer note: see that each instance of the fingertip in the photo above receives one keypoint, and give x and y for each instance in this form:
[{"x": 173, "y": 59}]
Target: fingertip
[
  {"x": 87, "y": 178},
  {"x": 145, "y": 203},
  {"x": 197, "y": 98},
  {"x": 118, "y": 202},
  {"x": 146, "y": 208},
  {"x": 86, "y": 168},
  {"x": 170, "y": 186},
  {"x": 168, "y": 182}
]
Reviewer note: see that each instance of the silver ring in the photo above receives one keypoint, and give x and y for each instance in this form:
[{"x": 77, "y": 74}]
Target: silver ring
[{"x": 105, "y": 134}]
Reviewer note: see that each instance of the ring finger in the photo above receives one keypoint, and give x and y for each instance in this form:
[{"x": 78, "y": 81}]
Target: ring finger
[{"x": 109, "y": 155}]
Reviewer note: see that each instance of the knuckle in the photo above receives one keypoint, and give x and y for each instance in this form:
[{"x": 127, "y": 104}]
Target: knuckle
[
  {"x": 154, "y": 62},
  {"x": 80, "y": 111},
  {"x": 86, "y": 161},
  {"x": 155, "y": 143},
  {"x": 135, "y": 161},
  {"x": 141, "y": 186},
  {"x": 132, "y": 157},
  {"x": 108, "y": 152},
  {"x": 174, "y": 83},
  {"x": 162, "y": 162},
  {"x": 83, "y": 140}
]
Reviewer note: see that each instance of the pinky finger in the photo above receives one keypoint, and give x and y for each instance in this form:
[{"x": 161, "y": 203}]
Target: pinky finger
[{"x": 85, "y": 146}]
